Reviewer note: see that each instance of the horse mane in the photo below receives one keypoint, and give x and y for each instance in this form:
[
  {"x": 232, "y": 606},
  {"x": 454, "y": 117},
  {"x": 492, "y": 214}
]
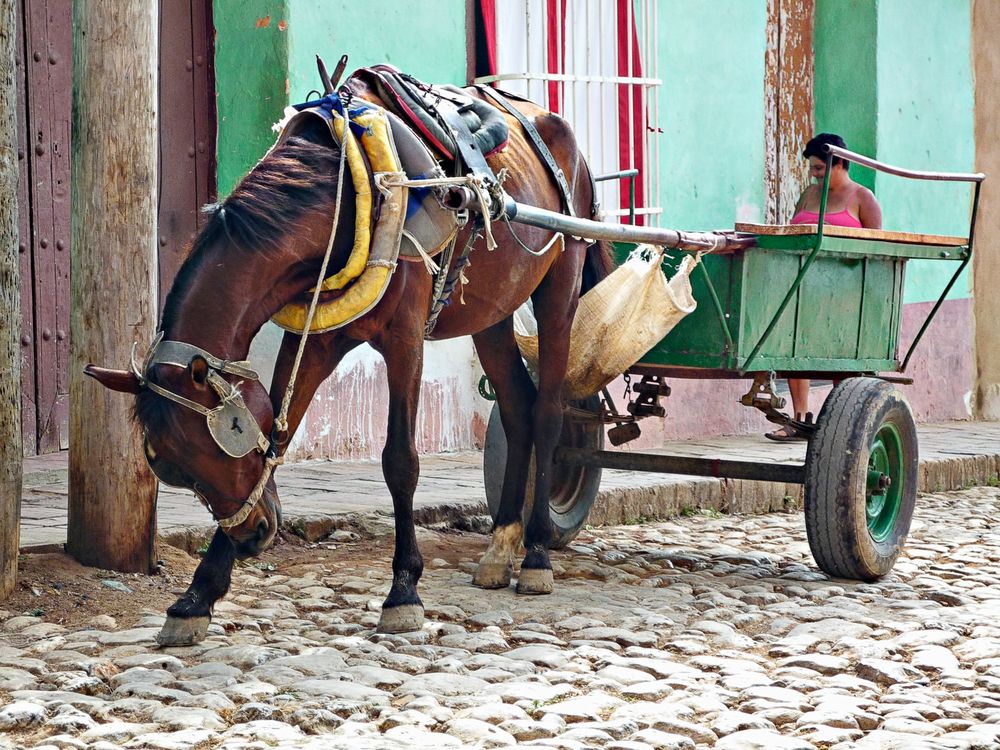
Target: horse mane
[{"x": 297, "y": 177}]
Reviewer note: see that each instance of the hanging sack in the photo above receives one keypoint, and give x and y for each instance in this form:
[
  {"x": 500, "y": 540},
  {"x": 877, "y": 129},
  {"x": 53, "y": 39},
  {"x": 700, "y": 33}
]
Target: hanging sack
[{"x": 624, "y": 316}]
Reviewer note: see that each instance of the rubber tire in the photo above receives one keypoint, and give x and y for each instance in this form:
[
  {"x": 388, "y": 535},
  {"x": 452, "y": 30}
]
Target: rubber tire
[
  {"x": 574, "y": 488},
  {"x": 836, "y": 475}
]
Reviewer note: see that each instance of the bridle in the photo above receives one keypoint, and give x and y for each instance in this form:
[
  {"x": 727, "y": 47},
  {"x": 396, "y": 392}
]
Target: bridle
[{"x": 231, "y": 424}]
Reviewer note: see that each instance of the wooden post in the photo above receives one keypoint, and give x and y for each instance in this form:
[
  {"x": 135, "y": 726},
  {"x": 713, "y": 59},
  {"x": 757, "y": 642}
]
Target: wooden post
[
  {"x": 11, "y": 465},
  {"x": 112, "y": 495}
]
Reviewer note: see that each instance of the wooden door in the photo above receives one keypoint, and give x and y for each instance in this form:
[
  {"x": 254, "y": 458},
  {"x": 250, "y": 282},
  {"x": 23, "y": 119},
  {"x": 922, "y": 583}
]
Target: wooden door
[
  {"x": 45, "y": 80},
  {"x": 187, "y": 129},
  {"x": 186, "y": 182}
]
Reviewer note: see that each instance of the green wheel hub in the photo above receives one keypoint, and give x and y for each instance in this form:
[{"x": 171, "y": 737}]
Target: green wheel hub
[{"x": 886, "y": 479}]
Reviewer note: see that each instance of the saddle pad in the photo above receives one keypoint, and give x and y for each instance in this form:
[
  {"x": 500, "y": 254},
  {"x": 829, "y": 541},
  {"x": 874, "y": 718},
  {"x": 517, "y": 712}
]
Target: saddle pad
[
  {"x": 418, "y": 104},
  {"x": 359, "y": 286},
  {"x": 428, "y": 227}
]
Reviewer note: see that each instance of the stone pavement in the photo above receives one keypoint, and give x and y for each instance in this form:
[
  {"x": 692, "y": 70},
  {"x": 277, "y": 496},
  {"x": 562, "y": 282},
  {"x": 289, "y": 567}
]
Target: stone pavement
[
  {"x": 319, "y": 494},
  {"x": 705, "y": 632}
]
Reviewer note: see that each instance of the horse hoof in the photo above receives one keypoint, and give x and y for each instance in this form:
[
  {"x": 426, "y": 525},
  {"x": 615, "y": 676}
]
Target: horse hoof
[
  {"x": 492, "y": 576},
  {"x": 535, "y": 581},
  {"x": 183, "y": 631},
  {"x": 402, "y": 619}
]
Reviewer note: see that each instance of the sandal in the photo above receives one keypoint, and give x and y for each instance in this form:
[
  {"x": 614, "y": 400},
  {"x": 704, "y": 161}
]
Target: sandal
[{"x": 785, "y": 434}]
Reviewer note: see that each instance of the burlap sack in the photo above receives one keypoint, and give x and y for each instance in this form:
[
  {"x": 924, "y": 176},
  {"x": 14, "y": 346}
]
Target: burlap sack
[{"x": 618, "y": 321}]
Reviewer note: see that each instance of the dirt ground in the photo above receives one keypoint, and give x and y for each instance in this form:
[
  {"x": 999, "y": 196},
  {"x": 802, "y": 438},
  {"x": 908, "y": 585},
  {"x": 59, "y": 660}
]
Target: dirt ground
[{"x": 60, "y": 590}]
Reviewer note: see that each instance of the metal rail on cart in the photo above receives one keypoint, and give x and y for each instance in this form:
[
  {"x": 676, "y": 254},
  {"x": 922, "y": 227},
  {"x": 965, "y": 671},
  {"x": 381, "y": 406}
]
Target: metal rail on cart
[{"x": 835, "y": 151}]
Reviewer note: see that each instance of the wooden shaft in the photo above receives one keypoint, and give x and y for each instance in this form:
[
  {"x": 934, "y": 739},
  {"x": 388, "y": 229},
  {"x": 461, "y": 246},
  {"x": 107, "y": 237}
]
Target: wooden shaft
[
  {"x": 599, "y": 230},
  {"x": 11, "y": 466},
  {"x": 112, "y": 495}
]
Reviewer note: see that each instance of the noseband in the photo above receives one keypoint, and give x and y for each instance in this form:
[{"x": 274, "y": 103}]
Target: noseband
[{"x": 231, "y": 424}]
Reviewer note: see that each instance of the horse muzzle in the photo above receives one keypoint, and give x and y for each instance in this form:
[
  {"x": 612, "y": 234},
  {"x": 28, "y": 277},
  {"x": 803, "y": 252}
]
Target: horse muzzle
[{"x": 259, "y": 531}]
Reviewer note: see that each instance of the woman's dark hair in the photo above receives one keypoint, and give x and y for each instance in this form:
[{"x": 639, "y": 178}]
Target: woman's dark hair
[{"x": 815, "y": 148}]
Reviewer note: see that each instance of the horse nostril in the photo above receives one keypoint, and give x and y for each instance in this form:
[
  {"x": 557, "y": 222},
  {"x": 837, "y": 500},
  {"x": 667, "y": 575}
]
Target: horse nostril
[{"x": 262, "y": 529}]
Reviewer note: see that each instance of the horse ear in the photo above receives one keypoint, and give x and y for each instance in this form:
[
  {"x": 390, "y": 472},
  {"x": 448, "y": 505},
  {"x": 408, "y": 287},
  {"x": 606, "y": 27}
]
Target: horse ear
[
  {"x": 199, "y": 370},
  {"x": 122, "y": 381}
]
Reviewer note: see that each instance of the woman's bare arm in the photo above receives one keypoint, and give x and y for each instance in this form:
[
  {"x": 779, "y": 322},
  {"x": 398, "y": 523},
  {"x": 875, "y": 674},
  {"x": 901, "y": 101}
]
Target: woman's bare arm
[{"x": 869, "y": 211}]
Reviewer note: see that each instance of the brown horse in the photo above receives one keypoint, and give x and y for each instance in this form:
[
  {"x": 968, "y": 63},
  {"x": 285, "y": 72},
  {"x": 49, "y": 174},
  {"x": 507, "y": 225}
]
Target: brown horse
[{"x": 261, "y": 249}]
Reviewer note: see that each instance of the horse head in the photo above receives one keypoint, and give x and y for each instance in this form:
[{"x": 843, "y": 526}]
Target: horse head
[
  {"x": 207, "y": 433},
  {"x": 205, "y": 418}
]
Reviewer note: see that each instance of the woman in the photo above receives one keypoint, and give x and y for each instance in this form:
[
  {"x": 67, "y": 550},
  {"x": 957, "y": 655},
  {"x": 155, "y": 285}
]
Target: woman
[{"x": 848, "y": 204}]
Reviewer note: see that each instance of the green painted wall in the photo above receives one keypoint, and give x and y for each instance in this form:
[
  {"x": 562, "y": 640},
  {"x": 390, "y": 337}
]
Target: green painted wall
[
  {"x": 711, "y": 61},
  {"x": 266, "y": 58},
  {"x": 894, "y": 77},
  {"x": 251, "y": 64},
  {"x": 426, "y": 39},
  {"x": 926, "y": 121},
  {"x": 845, "y": 79}
]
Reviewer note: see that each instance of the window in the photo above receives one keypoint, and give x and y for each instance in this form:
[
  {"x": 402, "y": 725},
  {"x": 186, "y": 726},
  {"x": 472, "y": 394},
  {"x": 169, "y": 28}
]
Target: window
[{"x": 594, "y": 62}]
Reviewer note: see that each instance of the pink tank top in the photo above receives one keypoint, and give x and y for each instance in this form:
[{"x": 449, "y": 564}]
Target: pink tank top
[{"x": 840, "y": 219}]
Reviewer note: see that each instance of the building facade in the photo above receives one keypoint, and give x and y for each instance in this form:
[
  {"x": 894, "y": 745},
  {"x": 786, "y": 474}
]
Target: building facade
[{"x": 712, "y": 101}]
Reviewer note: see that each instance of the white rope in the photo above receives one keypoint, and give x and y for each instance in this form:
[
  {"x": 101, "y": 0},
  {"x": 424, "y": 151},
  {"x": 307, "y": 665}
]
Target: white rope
[
  {"x": 429, "y": 264},
  {"x": 281, "y": 422},
  {"x": 270, "y": 462},
  {"x": 385, "y": 180}
]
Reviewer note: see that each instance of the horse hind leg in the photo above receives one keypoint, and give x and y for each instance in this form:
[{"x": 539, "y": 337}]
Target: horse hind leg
[
  {"x": 555, "y": 304},
  {"x": 501, "y": 360},
  {"x": 189, "y": 617}
]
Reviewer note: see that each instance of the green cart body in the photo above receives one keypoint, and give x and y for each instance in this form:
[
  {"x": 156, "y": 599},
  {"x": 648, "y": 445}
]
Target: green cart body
[
  {"x": 843, "y": 317},
  {"x": 808, "y": 301}
]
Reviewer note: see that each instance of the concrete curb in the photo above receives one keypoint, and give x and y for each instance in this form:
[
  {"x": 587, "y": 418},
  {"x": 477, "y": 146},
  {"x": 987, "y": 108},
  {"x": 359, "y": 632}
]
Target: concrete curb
[
  {"x": 650, "y": 497},
  {"x": 322, "y": 496},
  {"x": 316, "y": 526}
]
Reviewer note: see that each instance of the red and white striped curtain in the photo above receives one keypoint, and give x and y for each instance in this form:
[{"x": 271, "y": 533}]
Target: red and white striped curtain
[{"x": 574, "y": 57}]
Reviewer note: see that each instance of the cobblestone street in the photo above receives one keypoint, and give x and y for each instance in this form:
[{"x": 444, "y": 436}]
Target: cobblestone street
[{"x": 706, "y": 631}]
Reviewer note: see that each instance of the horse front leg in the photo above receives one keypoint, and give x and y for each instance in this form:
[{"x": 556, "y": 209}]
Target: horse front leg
[
  {"x": 189, "y": 617},
  {"x": 501, "y": 361},
  {"x": 555, "y": 304},
  {"x": 402, "y": 610}
]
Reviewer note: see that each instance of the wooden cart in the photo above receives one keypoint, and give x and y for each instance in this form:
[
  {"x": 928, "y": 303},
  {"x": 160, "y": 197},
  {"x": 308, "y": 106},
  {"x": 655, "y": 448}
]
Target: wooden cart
[{"x": 810, "y": 301}]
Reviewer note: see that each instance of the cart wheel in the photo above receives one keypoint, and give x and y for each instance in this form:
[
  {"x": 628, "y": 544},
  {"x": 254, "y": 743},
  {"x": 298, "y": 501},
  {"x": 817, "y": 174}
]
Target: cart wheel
[
  {"x": 861, "y": 479},
  {"x": 574, "y": 488}
]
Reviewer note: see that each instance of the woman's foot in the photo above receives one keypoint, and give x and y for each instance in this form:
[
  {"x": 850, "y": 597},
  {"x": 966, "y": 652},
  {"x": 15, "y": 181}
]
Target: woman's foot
[{"x": 785, "y": 434}]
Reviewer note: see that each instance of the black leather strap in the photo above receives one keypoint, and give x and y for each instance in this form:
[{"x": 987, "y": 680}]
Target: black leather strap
[
  {"x": 465, "y": 143},
  {"x": 536, "y": 140}
]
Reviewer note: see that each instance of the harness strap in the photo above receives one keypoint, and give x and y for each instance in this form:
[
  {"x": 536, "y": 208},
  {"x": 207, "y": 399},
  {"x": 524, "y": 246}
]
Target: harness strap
[
  {"x": 444, "y": 282},
  {"x": 270, "y": 463},
  {"x": 180, "y": 354},
  {"x": 281, "y": 421},
  {"x": 170, "y": 395},
  {"x": 541, "y": 149}
]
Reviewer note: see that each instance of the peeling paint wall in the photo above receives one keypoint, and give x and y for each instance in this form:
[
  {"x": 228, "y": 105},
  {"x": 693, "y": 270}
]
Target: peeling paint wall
[
  {"x": 788, "y": 113},
  {"x": 894, "y": 77},
  {"x": 251, "y": 64}
]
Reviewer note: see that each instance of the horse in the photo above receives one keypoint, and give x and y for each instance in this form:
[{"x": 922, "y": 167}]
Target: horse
[{"x": 261, "y": 248}]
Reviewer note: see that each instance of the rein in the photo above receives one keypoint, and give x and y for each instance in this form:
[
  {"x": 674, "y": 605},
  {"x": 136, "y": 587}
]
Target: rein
[{"x": 175, "y": 353}]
